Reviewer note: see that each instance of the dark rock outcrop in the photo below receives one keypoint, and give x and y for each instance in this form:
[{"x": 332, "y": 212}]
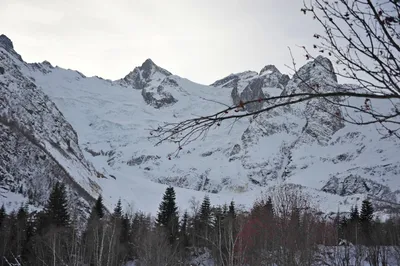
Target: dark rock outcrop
[
  {"x": 249, "y": 85},
  {"x": 7, "y": 44},
  {"x": 253, "y": 91}
]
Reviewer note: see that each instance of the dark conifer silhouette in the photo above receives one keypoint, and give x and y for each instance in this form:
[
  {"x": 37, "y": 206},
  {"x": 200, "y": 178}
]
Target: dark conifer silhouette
[
  {"x": 56, "y": 210},
  {"x": 167, "y": 216}
]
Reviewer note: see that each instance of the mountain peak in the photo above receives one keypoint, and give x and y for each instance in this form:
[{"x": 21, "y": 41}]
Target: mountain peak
[
  {"x": 148, "y": 63},
  {"x": 146, "y": 73},
  {"x": 321, "y": 67},
  {"x": 326, "y": 64},
  {"x": 149, "y": 67},
  {"x": 6, "y": 43},
  {"x": 269, "y": 69},
  {"x": 47, "y": 63},
  {"x": 325, "y": 61}
]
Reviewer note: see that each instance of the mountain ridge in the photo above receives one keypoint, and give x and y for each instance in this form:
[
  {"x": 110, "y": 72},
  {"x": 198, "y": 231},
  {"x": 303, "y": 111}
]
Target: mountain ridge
[{"x": 296, "y": 146}]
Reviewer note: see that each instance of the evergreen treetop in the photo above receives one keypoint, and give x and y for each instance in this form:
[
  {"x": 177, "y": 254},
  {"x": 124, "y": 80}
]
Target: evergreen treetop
[
  {"x": 205, "y": 210},
  {"x": 167, "y": 209},
  {"x": 56, "y": 210},
  {"x": 98, "y": 208},
  {"x": 367, "y": 211},
  {"x": 269, "y": 208},
  {"x": 231, "y": 210},
  {"x": 2, "y": 214},
  {"x": 184, "y": 223},
  {"x": 118, "y": 209},
  {"x": 354, "y": 215},
  {"x": 167, "y": 216}
]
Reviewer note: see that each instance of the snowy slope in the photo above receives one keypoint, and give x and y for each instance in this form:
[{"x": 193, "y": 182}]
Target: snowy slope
[
  {"x": 38, "y": 146},
  {"x": 112, "y": 127},
  {"x": 336, "y": 163}
]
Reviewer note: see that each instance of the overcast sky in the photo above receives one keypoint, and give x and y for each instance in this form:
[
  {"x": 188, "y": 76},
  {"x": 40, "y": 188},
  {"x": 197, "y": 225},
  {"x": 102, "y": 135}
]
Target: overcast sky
[{"x": 202, "y": 40}]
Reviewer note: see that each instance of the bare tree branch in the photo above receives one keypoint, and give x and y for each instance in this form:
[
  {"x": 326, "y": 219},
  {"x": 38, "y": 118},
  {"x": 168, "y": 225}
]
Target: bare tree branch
[{"x": 362, "y": 39}]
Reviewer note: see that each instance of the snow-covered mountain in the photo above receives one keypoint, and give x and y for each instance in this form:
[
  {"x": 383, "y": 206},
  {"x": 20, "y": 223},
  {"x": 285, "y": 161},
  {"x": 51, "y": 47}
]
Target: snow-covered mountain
[
  {"x": 93, "y": 134},
  {"x": 38, "y": 146}
]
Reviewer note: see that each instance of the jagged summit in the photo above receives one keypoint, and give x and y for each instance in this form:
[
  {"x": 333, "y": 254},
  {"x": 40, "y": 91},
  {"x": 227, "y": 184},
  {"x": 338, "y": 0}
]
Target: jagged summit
[
  {"x": 250, "y": 85},
  {"x": 142, "y": 76},
  {"x": 149, "y": 67},
  {"x": 47, "y": 63},
  {"x": 324, "y": 62},
  {"x": 148, "y": 64},
  {"x": 5, "y": 42},
  {"x": 232, "y": 79},
  {"x": 320, "y": 67},
  {"x": 152, "y": 81},
  {"x": 269, "y": 69},
  {"x": 8, "y": 45}
]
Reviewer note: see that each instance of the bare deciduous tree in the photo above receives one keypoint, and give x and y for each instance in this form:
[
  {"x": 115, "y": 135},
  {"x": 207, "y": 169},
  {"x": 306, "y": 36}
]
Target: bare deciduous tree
[{"x": 156, "y": 250}]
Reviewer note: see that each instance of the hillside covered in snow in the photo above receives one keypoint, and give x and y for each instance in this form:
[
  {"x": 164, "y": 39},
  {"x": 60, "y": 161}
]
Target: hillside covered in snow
[{"x": 93, "y": 134}]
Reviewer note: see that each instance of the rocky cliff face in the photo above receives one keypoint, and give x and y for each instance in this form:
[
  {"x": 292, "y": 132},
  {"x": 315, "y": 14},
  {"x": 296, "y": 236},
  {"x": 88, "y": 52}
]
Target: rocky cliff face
[
  {"x": 151, "y": 80},
  {"x": 8, "y": 46},
  {"x": 38, "y": 146},
  {"x": 301, "y": 145},
  {"x": 251, "y": 85}
]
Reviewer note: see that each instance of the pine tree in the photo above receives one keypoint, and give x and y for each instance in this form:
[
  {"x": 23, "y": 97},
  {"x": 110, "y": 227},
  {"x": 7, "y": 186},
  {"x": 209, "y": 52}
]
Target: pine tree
[
  {"x": 225, "y": 209},
  {"x": 167, "y": 216},
  {"x": 218, "y": 216},
  {"x": 124, "y": 234},
  {"x": 183, "y": 230},
  {"x": 205, "y": 218},
  {"x": 42, "y": 222},
  {"x": 354, "y": 215},
  {"x": 343, "y": 228},
  {"x": 12, "y": 237},
  {"x": 30, "y": 239},
  {"x": 353, "y": 225},
  {"x": 125, "y": 230},
  {"x": 269, "y": 222},
  {"x": 219, "y": 219},
  {"x": 22, "y": 214},
  {"x": 97, "y": 211},
  {"x": 21, "y": 232},
  {"x": 231, "y": 210},
  {"x": 95, "y": 228},
  {"x": 56, "y": 209},
  {"x": 205, "y": 211},
  {"x": 269, "y": 208},
  {"x": 367, "y": 211},
  {"x": 96, "y": 214},
  {"x": 98, "y": 208},
  {"x": 366, "y": 220},
  {"x": 184, "y": 222},
  {"x": 2, "y": 214},
  {"x": 118, "y": 210},
  {"x": 167, "y": 209}
]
